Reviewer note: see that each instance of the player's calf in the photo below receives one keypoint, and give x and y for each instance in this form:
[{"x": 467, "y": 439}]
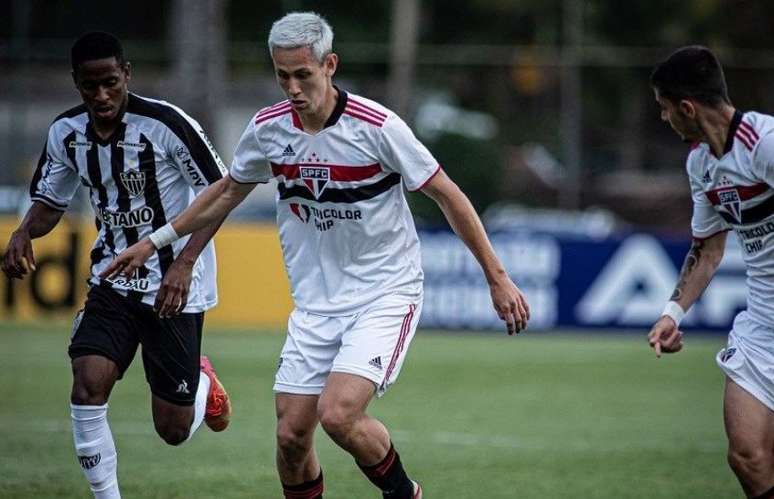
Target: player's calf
[{"x": 95, "y": 449}]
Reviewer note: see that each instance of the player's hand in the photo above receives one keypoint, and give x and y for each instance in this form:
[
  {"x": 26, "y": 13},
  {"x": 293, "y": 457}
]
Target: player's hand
[
  {"x": 664, "y": 337},
  {"x": 173, "y": 293},
  {"x": 510, "y": 304},
  {"x": 131, "y": 259},
  {"x": 19, "y": 259}
]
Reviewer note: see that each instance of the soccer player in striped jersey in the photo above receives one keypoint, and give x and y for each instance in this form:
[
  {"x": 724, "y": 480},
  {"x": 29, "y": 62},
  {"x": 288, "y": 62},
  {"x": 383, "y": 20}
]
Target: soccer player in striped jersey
[
  {"x": 341, "y": 162},
  {"x": 731, "y": 174},
  {"x": 142, "y": 161}
]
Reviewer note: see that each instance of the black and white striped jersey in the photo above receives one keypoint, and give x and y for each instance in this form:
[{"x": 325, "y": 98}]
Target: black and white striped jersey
[{"x": 143, "y": 176}]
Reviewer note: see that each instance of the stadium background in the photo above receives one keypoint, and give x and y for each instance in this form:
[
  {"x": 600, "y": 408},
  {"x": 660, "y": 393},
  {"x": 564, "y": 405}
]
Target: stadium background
[{"x": 541, "y": 111}]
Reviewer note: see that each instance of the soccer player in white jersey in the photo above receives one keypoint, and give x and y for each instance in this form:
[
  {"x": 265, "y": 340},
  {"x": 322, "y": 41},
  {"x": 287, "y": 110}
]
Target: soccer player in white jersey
[
  {"x": 142, "y": 161},
  {"x": 351, "y": 251},
  {"x": 731, "y": 174}
]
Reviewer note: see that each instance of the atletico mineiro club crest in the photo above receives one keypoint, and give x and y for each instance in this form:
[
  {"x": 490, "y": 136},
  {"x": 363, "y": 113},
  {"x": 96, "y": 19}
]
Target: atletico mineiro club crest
[
  {"x": 134, "y": 181},
  {"x": 315, "y": 178},
  {"x": 731, "y": 202}
]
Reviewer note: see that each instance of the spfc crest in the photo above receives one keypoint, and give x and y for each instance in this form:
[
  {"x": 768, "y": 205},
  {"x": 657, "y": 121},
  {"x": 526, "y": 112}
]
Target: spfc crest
[
  {"x": 134, "y": 181},
  {"x": 730, "y": 200},
  {"x": 315, "y": 178}
]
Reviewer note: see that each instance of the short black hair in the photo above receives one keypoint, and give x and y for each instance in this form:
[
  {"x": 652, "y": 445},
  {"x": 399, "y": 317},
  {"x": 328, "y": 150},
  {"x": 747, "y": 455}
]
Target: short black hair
[
  {"x": 691, "y": 72},
  {"x": 96, "y": 45}
]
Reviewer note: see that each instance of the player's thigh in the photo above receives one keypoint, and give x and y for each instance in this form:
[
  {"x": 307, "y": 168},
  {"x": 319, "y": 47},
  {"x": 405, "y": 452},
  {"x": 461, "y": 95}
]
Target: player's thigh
[
  {"x": 311, "y": 345},
  {"x": 171, "y": 349},
  {"x": 376, "y": 345},
  {"x": 103, "y": 343},
  {"x": 345, "y": 396},
  {"x": 749, "y": 423}
]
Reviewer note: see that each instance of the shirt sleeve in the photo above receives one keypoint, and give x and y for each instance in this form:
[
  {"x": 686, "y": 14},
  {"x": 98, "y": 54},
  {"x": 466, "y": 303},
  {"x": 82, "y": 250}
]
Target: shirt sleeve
[
  {"x": 763, "y": 162},
  {"x": 193, "y": 153},
  {"x": 56, "y": 179},
  {"x": 400, "y": 151},
  {"x": 706, "y": 221},
  {"x": 250, "y": 165}
]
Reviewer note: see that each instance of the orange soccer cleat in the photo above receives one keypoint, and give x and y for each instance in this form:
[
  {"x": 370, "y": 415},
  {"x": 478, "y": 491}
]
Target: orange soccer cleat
[{"x": 218, "y": 412}]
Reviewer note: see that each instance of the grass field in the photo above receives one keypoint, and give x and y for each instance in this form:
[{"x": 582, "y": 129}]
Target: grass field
[{"x": 538, "y": 416}]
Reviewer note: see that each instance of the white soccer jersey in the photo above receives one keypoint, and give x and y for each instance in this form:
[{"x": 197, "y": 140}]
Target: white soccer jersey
[
  {"x": 736, "y": 192},
  {"x": 146, "y": 174},
  {"x": 346, "y": 231}
]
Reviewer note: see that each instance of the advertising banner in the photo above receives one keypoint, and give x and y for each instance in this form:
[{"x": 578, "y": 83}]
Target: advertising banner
[{"x": 570, "y": 282}]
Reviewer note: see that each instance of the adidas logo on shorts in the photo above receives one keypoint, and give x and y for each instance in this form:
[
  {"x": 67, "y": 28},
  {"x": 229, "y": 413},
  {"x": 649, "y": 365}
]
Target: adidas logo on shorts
[{"x": 376, "y": 362}]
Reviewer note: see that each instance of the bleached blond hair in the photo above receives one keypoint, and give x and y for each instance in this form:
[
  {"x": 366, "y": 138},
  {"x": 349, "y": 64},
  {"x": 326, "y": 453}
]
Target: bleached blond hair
[{"x": 302, "y": 29}]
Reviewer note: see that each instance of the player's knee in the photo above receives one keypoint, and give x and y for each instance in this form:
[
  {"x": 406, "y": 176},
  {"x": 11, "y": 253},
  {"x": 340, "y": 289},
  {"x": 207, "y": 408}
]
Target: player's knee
[
  {"x": 336, "y": 419},
  {"x": 292, "y": 441},
  {"x": 172, "y": 433},
  {"x": 84, "y": 393},
  {"x": 749, "y": 462}
]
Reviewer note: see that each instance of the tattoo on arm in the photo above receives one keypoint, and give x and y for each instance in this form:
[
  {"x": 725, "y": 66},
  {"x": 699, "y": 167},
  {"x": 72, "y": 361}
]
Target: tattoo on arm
[{"x": 689, "y": 265}]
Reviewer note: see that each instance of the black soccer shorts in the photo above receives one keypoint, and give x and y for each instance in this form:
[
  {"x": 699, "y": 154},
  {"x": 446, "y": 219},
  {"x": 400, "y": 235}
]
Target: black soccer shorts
[{"x": 112, "y": 325}]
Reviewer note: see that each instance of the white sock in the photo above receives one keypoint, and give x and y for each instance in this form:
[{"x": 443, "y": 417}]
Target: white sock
[
  {"x": 95, "y": 449},
  {"x": 200, "y": 403}
]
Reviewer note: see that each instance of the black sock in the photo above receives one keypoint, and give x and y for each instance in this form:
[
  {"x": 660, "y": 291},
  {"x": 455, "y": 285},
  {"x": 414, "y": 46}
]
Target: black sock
[
  {"x": 769, "y": 494},
  {"x": 312, "y": 489},
  {"x": 390, "y": 476}
]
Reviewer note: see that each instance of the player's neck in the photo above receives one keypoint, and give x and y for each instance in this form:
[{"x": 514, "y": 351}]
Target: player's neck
[
  {"x": 314, "y": 123},
  {"x": 106, "y": 128},
  {"x": 715, "y": 124}
]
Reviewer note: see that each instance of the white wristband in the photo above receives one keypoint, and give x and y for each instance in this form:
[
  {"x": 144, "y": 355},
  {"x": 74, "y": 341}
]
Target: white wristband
[
  {"x": 164, "y": 236},
  {"x": 675, "y": 311}
]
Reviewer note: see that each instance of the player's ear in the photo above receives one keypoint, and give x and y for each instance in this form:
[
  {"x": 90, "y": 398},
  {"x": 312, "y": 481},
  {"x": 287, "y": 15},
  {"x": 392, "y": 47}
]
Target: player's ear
[
  {"x": 127, "y": 70},
  {"x": 687, "y": 108},
  {"x": 330, "y": 63}
]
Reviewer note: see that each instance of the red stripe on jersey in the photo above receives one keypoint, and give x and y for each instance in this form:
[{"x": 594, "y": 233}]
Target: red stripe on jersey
[
  {"x": 297, "y": 121},
  {"x": 338, "y": 173},
  {"x": 749, "y": 134},
  {"x": 744, "y": 139},
  {"x": 745, "y": 192},
  {"x": 365, "y": 107},
  {"x": 366, "y": 110},
  {"x": 281, "y": 103},
  {"x": 438, "y": 169},
  {"x": 273, "y": 109},
  {"x": 749, "y": 129},
  {"x": 266, "y": 117},
  {"x": 368, "y": 119}
]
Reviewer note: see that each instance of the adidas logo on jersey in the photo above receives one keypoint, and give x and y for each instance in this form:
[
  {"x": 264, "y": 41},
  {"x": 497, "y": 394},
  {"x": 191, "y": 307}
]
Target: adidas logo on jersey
[
  {"x": 376, "y": 362},
  {"x": 288, "y": 151},
  {"x": 706, "y": 178}
]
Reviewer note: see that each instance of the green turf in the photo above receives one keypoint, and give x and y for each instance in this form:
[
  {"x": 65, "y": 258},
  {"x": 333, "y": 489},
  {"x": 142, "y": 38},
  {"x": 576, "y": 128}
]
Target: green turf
[{"x": 538, "y": 416}]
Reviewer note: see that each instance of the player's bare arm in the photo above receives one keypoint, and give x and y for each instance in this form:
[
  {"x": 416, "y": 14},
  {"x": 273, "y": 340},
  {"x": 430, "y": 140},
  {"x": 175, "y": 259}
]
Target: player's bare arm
[
  {"x": 699, "y": 267},
  {"x": 507, "y": 298},
  {"x": 211, "y": 206},
  {"x": 173, "y": 292},
  {"x": 19, "y": 258}
]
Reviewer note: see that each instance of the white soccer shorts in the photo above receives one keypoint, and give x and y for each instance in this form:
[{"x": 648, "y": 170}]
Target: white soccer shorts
[
  {"x": 371, "y": 344},
  {"x": 748, "y": 359}
]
